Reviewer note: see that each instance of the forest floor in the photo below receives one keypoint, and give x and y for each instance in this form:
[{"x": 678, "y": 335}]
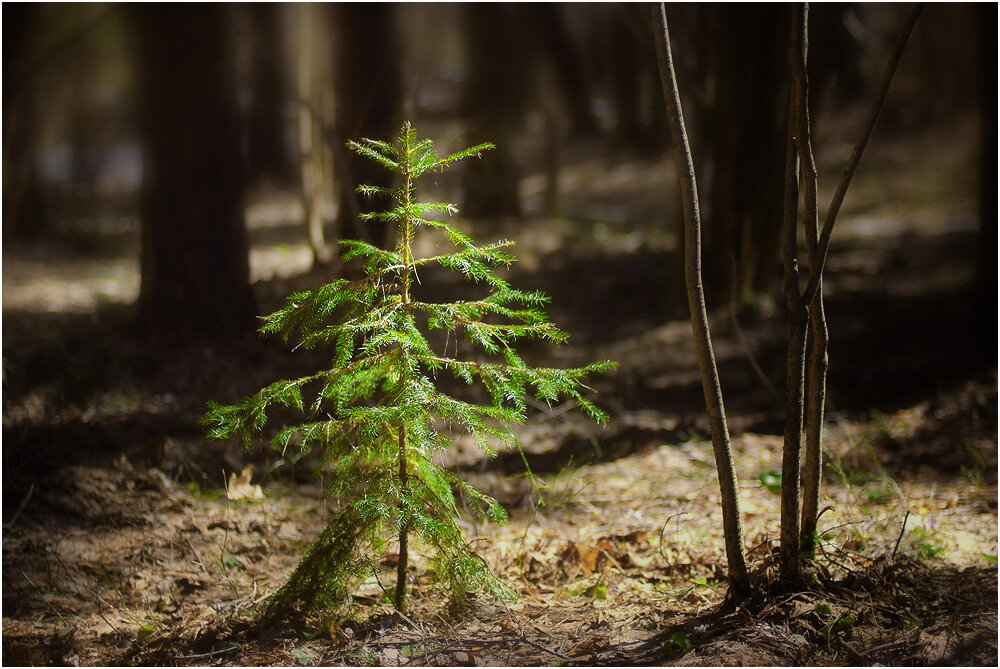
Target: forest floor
[{"x": 131, "y": 539}]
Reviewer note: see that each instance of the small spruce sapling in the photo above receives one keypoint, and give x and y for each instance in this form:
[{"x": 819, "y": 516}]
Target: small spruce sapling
[{"x": 378, "y": 416}]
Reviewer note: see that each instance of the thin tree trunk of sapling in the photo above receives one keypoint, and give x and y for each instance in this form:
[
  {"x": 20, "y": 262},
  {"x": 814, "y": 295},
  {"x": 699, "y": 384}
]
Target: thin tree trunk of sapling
[
  {"x": 823, "y": 247},
  {"x": 818, "y": 249},
  {"x": 809, "y": 308},
  {"x": 404, "y": 530},
  {"x": 732, "y": 524},
  {"x": 817, "y": 343},
  {"x": 310, "y": 137},
  {"x": 795, "y": 353}
]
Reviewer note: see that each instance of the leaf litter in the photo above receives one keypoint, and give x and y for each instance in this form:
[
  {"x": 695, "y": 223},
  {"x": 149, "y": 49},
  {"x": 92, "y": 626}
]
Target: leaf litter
[
  {"x": 614, "y": 545},
  {"x": 626, "y": 565}
]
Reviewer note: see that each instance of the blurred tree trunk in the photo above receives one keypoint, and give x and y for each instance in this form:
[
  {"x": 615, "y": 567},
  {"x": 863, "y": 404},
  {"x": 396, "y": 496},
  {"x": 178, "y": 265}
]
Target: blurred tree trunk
[
  {"x": 569, "y": 76},
  {"x": 626, "y": 63},
  {"x": 267, "y": 154},
  {"x": 194, "y": 259},
  {"x": 747, "y": 136},
  {"x": 986, "y": 268},
  {"x": 369, "y": 93},
  {"x": 22, "y": 210},
  {"x": 312, "y": 163},
  {"x": 640, "y": 121},
  {"x": 494, "y": 106}
]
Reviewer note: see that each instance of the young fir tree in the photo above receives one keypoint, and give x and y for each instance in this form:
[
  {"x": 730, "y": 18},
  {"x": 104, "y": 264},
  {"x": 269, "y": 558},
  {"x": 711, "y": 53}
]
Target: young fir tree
[{"x": 377, "y": 414}]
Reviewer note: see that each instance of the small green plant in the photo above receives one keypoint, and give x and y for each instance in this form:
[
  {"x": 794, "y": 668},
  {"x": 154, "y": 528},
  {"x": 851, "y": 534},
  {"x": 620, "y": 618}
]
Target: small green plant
[
  {"x": 145, "y": 631},
  {"x": 925, "y": 544},
  {"x": 378, "y": 415},
  {"x": 679, "y": 640},
  {"x": 771, "y": 479},
  {"x": 833, "y": 624}
]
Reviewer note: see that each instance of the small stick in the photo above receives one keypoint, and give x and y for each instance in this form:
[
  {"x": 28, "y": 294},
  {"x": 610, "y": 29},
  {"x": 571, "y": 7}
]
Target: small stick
[
  {"x": 525, "y": 639},
  {"x": 901, "y": 531},
  {"x": 540, "y": 647},
  {"x": 208, "y": 654}
]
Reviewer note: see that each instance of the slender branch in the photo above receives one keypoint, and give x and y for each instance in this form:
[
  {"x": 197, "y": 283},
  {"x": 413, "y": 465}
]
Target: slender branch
[
  {"x": 823, "y": 247},
  {"x": 740, "y": 583}
]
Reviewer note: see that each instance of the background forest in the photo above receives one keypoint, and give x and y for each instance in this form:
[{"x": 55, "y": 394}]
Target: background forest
[{"x": 171, "y": 173}]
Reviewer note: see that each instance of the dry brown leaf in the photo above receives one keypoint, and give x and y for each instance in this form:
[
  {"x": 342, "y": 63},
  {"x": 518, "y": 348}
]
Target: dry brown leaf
[{"x": 240, "y": 487}]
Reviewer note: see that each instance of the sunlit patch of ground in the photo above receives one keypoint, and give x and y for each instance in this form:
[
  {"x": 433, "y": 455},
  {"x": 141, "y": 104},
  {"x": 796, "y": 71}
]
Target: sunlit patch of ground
[
  {"x": 615, "y": 545},
  {"x": 604, "y": 557}
]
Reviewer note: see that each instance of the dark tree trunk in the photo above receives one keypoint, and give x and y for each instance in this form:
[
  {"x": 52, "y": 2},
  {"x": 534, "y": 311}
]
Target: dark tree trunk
[
  {"x": 640, "y": 121},
  {"x": 574, "y": 88},
  {"x": 22, "y": 210},
  {"x": 494, "y": 105},
  {"x": 626, "y": 66},
  {"x": 747, "y": 151},
  {"x": 267, "y": 152},
  {"x": 986, "y": 269},
  {"x": 194, "y": 246},
  {"x": 368, "y": 93}
]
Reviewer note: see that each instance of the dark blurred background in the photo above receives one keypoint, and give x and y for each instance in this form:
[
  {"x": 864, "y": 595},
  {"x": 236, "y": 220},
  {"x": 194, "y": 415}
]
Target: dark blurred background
[{"x": 170, "y": 172}]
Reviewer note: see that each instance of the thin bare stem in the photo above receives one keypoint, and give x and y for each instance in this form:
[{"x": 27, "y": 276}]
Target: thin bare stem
[
  {"x": 797, "y": 319},
  {"x": 732, "y": 524},
  {"x": 404, "y": 530},
  {"x": 812, "y": 467},
  {"x": 817, "y": 353},
  {"x": 823, "y": 247}
]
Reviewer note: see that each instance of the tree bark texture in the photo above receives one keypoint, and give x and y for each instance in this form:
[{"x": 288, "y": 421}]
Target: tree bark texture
[
  {"x": 732, "y": 524},
  {"x": 369, "y": 93},
  {"x": 194, "y": 259}
]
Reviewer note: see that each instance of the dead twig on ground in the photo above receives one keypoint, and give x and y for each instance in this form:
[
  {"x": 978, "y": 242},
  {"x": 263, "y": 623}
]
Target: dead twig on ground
[{"x": 210, "y": 653}]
